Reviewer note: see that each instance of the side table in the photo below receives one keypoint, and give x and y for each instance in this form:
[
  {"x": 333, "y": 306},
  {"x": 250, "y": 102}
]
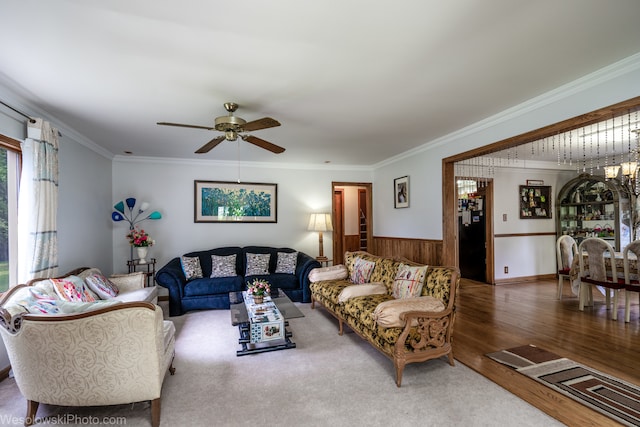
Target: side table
[
  {"x": 324, "y": 261},
  {"x": 135, "y": 265}
]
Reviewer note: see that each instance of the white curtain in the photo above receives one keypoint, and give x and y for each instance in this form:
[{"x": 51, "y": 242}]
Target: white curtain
[{"x": 38, "y": 203}]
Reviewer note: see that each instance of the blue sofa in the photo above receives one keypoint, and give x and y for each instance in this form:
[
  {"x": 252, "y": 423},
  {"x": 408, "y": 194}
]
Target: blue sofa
[{"x": 210, "y": 293}]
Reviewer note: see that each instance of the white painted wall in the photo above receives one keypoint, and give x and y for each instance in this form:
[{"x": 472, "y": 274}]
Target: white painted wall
[
  {"x": 84, "y": 208},
  {"x": 169, "y": 187},
  {"x": 525, "y": 256}
]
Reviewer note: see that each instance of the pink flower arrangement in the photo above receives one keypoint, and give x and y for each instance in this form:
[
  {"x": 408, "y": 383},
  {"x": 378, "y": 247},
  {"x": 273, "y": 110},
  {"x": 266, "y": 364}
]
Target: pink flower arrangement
[
  {"x": 139, "y": 238},
  {"x": 259, "y": 287}
]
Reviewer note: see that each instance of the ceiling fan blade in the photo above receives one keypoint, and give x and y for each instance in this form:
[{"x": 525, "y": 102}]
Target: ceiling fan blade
[
  {"x": 185, "y": 126},
  {"x": 210, "y": 145},
  {"x": 263, "y": 144},
  {"x": 263, "y": 123}
]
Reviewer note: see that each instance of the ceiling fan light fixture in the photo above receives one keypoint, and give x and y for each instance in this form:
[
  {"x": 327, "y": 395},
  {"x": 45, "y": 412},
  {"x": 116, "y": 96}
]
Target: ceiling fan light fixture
[
  {"x": 231, "y": 135},
  {"x": 225, "y": 123}
]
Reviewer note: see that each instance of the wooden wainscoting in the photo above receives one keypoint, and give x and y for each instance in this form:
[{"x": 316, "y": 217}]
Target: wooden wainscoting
[
  {"x": 422, "y": 251},
  {"x": 351, "y": 242}
]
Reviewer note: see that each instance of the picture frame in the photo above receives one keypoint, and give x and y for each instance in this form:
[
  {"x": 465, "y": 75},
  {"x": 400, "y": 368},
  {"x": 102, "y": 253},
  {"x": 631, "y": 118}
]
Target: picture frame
[
  {"x": 401, "y": 192},
  {"x": 233, "y": 202},
  {"x": 535, "y": 202}
]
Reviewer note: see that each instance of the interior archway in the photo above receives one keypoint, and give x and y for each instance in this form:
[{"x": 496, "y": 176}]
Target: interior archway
[{"x": 449, "y": 191}]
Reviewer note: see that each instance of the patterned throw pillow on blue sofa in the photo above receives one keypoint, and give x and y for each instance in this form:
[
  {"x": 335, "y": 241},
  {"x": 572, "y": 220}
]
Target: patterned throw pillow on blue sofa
[
  {"x": 286, "y": 262},
  {"x": 191, "y": 267},
  {"x": 223, "y": 266},
  {"x": 257, "y": 264}
]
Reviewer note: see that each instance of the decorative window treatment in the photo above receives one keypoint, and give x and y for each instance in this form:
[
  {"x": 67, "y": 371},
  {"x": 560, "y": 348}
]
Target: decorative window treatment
[{"x": 38, "y": 203}]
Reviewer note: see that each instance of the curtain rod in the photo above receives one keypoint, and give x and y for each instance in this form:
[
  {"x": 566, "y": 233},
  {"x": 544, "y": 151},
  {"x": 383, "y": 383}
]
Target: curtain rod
[{"x": 31, "y": 120}]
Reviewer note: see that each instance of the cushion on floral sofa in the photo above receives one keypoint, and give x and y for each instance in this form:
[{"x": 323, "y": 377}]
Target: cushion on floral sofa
[{"x": 413, "y": 327}]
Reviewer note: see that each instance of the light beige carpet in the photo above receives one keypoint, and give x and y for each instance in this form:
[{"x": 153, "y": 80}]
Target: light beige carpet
[{"x": 328, "y": 380}]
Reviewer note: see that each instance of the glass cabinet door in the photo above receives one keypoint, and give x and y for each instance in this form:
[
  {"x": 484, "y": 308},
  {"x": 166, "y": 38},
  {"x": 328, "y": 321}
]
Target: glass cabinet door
[{"x": 590, "y": 206}]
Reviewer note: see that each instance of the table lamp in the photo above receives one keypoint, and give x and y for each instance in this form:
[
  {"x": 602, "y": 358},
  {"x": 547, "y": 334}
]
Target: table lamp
[{"x": 320, "y": 222}]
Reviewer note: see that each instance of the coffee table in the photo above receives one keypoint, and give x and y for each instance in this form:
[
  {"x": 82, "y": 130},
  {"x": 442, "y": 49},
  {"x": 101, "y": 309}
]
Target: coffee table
[{"x": 252, "y": 344}]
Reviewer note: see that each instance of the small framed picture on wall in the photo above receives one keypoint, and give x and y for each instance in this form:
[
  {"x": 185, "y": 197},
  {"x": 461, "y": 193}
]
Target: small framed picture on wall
[{"x": 401, "y": 192}]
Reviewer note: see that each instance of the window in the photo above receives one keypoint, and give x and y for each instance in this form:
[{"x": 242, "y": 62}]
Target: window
[{"x": 9, "y": 182}]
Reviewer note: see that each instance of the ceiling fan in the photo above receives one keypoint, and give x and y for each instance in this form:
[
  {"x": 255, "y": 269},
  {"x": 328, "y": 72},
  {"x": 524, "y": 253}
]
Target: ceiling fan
[{"x": 234, "y": 127}]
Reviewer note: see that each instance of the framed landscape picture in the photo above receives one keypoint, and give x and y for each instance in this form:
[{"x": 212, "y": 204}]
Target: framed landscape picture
[
  {"x": 401, "y": 192},
  {"x": 220, "y": 201}
]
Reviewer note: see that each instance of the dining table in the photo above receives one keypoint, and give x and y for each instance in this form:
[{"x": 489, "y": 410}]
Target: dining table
[{"x": 574, "y": 273}]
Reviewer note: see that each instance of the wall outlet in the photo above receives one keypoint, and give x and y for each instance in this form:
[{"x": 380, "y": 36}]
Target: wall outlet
[
  {"x": 506, "y": 270},
  {"x": 504, "y": 217}
]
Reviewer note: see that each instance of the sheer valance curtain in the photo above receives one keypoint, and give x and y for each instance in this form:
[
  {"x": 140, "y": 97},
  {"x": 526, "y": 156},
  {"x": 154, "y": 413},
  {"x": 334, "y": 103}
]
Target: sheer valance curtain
[{"x": 38, "y": 203}]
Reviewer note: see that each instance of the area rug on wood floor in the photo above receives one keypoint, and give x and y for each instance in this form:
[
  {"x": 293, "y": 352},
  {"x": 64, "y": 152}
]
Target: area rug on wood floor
[{"x": 606, "y": 394}]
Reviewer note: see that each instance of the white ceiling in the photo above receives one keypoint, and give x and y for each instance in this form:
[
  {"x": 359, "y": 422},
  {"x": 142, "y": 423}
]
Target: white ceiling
[{"x": 352, "y": 82}]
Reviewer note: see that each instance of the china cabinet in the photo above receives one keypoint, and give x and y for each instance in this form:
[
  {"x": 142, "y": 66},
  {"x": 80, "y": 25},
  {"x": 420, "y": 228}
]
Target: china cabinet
[{"x": 590, "y": 206}]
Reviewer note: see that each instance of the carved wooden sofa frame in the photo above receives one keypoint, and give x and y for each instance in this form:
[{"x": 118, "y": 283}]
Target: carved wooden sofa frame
[{"x": 430, "y": 339}]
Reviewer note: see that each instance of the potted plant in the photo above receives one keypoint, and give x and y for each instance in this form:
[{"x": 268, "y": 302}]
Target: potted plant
[
  {"x": 139, "y": 239},
  {"x": 259, "y": 288}
]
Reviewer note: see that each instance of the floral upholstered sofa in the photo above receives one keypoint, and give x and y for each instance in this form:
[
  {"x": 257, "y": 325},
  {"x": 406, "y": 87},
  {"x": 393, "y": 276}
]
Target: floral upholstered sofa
[
  {"x": 71, "y": 344},
  {"x": 403, "y": 309}
]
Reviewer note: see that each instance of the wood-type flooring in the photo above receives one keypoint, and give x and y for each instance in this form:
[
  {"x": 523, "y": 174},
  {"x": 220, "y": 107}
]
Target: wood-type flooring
[{"x": 491, "y": 318}]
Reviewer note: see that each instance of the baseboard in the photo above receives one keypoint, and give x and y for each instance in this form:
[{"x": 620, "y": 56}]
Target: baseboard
[
  {"x": 4, "y": 373},
  {"x": 163, "y": 297},
  {"x": 525, "y": 279}
]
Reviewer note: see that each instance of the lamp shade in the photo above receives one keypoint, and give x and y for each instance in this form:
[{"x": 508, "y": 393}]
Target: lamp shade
[
  {"x": 611, "y": 171},
  {"x": 155, "y": 215},
  {"x": 320, "y": 222},
  {"x": 629, "y": 169},
  {"x": 119, "y": 206}
]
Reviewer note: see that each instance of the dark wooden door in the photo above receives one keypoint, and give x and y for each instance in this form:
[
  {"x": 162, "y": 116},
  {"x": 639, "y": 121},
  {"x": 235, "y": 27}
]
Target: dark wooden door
[
  {"x": 472, "y": 238},
  {"x": 338, "y": 226}
]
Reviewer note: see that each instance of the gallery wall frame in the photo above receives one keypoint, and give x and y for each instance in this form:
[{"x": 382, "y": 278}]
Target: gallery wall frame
[
  {"x": 401, "y": 192},
  {"x": 535, "y": 201},
  {"x": 233, "y": 202}
]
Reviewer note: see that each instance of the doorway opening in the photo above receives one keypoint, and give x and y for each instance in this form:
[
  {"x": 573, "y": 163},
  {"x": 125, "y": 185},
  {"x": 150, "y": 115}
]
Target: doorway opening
[
  {"x": 352, "y": 216},
  {"x": 475, "y": 229}
]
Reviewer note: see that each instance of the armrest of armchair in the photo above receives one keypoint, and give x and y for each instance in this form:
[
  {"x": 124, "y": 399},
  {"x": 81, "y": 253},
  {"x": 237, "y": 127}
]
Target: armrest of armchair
[{"x": 129, "y": 282}]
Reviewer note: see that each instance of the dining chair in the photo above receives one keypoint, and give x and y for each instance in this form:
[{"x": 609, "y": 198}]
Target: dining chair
[
  {"x": 566, "y": 250},
  {"x": 598, "y": 272},
  {"x": 631, "y": 275}
]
